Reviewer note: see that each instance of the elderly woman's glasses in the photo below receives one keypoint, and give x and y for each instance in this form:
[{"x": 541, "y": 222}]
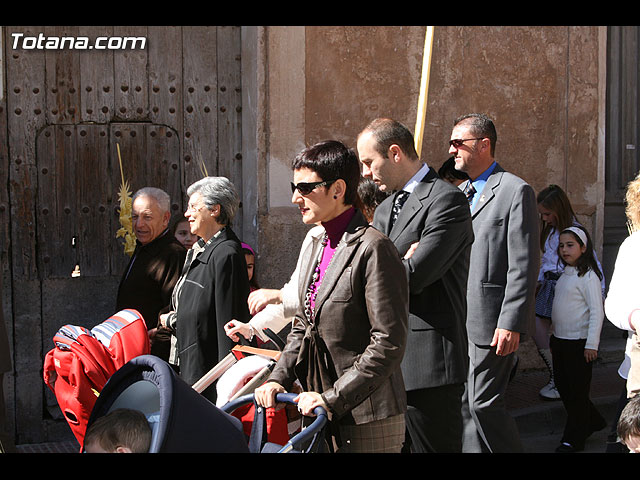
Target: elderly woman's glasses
[
  {"x": 194, "y": 208},
  {"x": 305, "y": 188}
]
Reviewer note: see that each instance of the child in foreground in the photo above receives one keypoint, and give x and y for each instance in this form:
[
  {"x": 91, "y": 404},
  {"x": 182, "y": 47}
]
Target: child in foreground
[
  {"x": 121, "y": 431},
  {"x": 629, "y": 425}
]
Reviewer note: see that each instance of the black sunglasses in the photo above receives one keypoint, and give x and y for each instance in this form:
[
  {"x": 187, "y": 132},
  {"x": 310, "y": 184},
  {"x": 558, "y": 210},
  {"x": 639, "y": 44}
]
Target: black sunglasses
[
  {"x": 457, "y": 142},
  {"x": 305, "y": 188}
]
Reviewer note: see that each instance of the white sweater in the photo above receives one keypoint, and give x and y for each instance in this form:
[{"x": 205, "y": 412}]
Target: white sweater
[
  {"x": 277, "y": 316},
  {"x": 578, "y": 310}
]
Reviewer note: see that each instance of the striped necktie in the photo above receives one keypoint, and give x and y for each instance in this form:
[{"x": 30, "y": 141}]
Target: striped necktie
[
  {"x": 397, "y": 205},
  {"x": 469, "y": 191}
]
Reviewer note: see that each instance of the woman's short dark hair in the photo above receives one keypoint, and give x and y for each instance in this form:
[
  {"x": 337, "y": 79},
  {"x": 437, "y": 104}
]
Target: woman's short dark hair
[{"x": 332, "y": 160}]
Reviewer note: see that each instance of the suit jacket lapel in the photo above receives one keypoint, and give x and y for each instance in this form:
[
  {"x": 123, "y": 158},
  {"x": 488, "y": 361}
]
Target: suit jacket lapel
[
  {"x": 413, "y": 204},
  {"x": 487, "y": 194}
]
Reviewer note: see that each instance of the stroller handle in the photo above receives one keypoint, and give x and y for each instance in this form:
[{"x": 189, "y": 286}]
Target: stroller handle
[{"x": 304, "y": 436}]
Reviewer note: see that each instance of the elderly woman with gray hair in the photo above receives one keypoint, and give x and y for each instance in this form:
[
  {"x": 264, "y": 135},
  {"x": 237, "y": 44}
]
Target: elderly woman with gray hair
[{"x": 214, "y": 285}]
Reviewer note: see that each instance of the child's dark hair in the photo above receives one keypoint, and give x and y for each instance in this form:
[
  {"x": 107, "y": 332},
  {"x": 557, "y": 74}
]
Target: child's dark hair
[
  {"x": 248, "y": 250},
  {"x": 629, "y": 421},
  {"x": 371, "y": 196},
  {"x": 553, "y": 198},
  {"x": 587, "y": 260},
  {"x": 448, "y": 171},
  {"x": 121, "y": 427}
]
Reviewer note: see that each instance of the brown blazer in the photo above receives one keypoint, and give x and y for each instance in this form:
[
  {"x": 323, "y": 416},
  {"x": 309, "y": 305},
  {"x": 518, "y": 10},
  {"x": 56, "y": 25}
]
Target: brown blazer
[{"x": 352, "y": 353}]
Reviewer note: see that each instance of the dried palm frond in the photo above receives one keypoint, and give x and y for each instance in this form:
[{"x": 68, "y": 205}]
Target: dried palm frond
[
  {"x": 126, "y": 202},
  {"x": 203, "y": 167}
]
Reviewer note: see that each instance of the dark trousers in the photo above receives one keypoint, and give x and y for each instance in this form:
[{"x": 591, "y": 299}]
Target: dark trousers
[
  {"x": 434, "y": 420},
  {"x": 572, "y": 374},
  {"x": 488, "y": 426}
]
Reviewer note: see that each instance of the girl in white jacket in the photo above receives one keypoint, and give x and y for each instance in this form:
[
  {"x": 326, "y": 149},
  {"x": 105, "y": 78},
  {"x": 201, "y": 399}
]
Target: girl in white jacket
[{"x": 577, "y": 317}]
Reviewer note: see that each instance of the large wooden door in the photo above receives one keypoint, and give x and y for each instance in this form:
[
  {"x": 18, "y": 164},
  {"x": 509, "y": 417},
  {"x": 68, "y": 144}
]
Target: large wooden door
[
  {"x": 173, "y": 108},
  {"x": 622, "y": 161}
]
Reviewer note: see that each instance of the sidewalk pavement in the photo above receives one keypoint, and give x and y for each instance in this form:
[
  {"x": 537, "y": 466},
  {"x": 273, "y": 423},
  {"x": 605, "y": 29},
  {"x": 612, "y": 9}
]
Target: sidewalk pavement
[{"x": 539, "y": 421}]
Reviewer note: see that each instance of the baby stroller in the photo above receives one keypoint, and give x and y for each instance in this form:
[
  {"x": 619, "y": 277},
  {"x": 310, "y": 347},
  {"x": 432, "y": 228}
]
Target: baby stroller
[
  {"x": 181, "y": 420},
  {"x": 309, "y": 440},
  {"x": 184, "y": 421},
  {"x": 240, "y": 373}
]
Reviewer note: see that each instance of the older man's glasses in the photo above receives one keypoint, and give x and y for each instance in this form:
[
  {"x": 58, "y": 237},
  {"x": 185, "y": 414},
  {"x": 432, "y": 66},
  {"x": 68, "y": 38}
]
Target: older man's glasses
[
  {"x": 305, "y": 188},
  {"x": 457, "y": 142}
]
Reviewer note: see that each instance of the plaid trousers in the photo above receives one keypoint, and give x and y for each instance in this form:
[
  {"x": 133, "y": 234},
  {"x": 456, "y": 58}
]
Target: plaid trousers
[{"x": 379, "y": 436}]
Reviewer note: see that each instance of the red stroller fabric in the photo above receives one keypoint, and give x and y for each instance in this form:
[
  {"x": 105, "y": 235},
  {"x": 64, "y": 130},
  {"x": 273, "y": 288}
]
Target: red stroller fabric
[
  {"x": 82, "y": 361},
  {"x": 276, "y": 424}
]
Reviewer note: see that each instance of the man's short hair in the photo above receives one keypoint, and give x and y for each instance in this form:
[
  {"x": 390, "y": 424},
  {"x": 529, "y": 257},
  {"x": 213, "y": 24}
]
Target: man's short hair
[
  {"x": 162, "y": 197},
  {"x": 481, "y": 126},
  {"x": 123, "y": 427},
  {"x": 387, "y": 132}
]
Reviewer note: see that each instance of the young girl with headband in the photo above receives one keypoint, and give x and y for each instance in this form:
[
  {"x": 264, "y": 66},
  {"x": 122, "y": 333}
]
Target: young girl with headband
[
  {"x": 577, "y": 317},
  {"x": 556, "y": 214}
]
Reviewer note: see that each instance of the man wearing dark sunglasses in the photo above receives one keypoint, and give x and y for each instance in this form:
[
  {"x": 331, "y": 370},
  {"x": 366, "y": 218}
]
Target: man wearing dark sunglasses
[
  {"x": 434, "y": 222},
  {"x": 502, "y": 278}
]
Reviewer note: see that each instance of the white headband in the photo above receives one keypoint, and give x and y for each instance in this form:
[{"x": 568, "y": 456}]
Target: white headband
[{"x": 579, "y": 232}]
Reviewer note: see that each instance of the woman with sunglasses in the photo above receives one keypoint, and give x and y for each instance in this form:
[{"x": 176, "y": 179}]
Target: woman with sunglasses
[{"x": 349, "y": 334}]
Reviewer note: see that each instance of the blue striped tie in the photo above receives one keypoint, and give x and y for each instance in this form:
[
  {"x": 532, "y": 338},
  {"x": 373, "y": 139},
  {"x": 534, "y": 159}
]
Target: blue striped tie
[{"x": 469, "y": 191}]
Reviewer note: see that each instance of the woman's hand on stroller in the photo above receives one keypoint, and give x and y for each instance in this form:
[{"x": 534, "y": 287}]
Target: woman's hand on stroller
[
  {"x": 265, "y": 395},
  {"x": 234, "y": 327},
  {"x": 308, "y": 402}
]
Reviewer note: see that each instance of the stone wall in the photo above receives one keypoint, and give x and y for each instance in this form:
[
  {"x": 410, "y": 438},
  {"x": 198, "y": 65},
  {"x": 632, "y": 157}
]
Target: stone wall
[{"x": 541, "y": 85}]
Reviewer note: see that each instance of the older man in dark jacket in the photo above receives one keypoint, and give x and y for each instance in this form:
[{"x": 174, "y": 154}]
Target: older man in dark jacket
[{"x": 155, "y": 265}]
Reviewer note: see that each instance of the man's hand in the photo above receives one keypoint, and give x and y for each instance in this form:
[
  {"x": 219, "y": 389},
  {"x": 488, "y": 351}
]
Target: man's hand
[
  {"x": 412, "y": 249},
  {"x": 505, "y": 341}
]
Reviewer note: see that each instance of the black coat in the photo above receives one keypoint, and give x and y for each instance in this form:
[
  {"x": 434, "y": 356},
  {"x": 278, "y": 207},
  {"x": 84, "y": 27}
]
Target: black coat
[
  {"x": 148, "y": 280},
  {"x": 214, "y": 292}
]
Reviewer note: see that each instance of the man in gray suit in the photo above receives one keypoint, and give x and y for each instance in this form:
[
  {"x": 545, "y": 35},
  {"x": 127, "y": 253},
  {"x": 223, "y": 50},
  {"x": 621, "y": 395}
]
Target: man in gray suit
[
  {"x": 502, "y": 281},
  {"x": 433, "y": 232}
]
